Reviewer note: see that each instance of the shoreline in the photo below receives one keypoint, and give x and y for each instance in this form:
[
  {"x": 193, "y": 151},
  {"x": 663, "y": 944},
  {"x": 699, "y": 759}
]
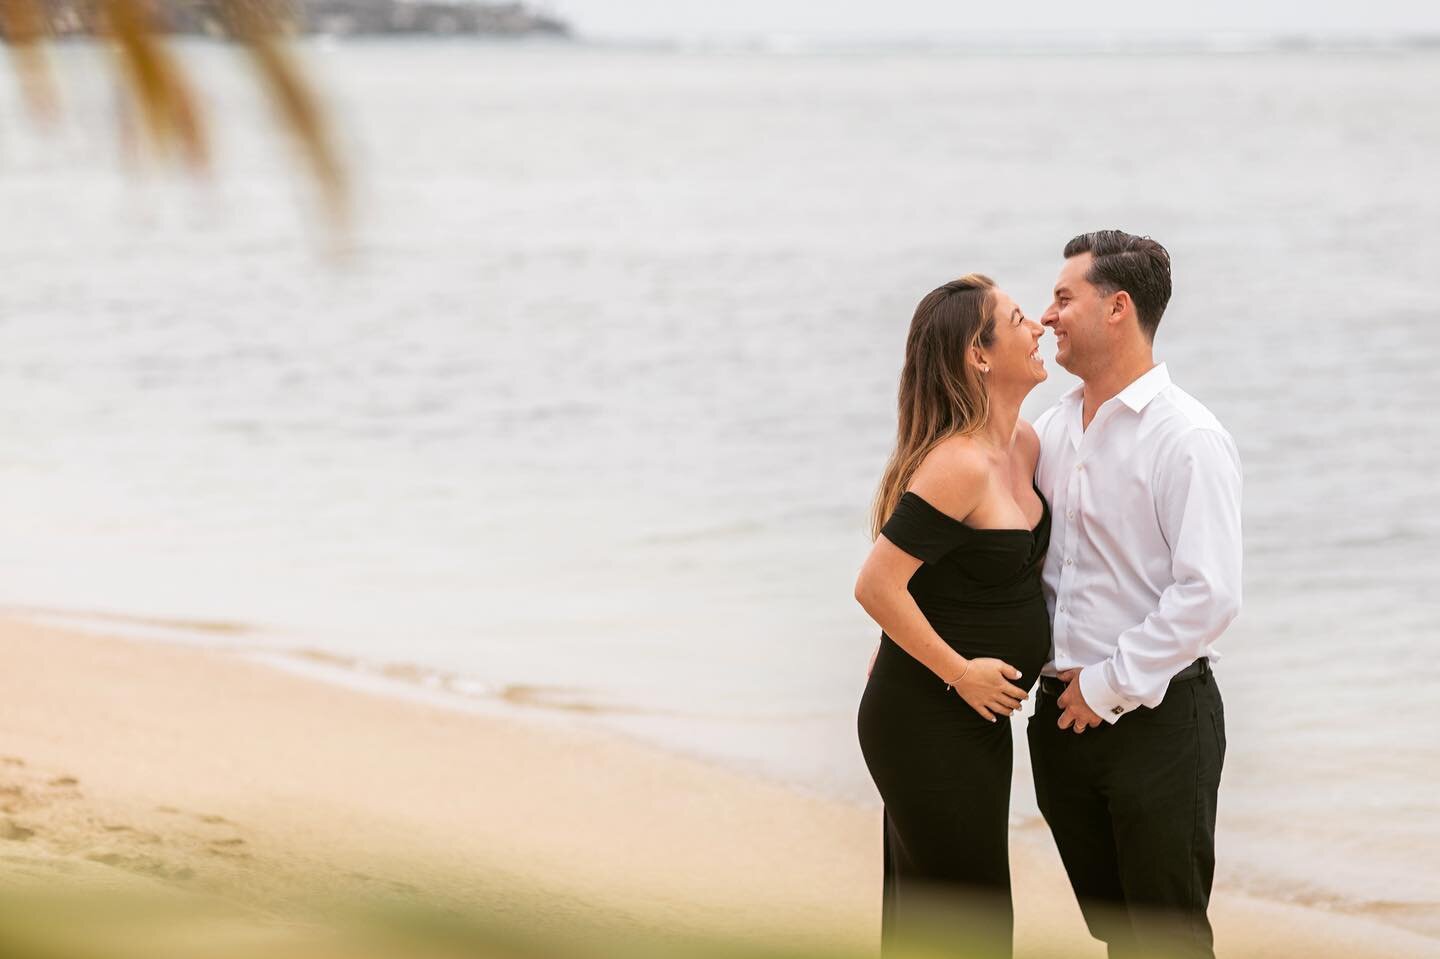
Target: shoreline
[{"x": 180, "y": 762}]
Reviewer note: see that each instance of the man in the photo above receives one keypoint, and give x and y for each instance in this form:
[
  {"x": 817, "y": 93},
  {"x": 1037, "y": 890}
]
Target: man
[{"x": 1142, "y": 576}]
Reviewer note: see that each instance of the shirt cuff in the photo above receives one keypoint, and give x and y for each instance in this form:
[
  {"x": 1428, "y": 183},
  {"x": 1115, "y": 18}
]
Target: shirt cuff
[{"x": 1101, "y": 697}]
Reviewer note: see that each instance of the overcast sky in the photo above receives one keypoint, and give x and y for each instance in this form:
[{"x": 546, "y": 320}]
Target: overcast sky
[{"x": 912, "y": 19}]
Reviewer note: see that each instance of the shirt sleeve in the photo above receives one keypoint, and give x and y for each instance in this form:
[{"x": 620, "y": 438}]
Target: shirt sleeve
[{"x": 1197, "y": 502}]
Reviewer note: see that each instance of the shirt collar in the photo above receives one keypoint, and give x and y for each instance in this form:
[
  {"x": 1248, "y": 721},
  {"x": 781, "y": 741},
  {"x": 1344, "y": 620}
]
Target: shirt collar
[{"x": 1139, "y": 393}]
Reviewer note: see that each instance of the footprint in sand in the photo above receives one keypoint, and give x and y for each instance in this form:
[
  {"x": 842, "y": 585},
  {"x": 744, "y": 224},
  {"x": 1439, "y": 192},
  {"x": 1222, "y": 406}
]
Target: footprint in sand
[
  {"x": 10, "y": 829},
  {"x": 228, "y": 848},
  {"x": 25, "y": 788},
  {"x": 145, "y": 865},
  {"x": 139, "y": 835}
]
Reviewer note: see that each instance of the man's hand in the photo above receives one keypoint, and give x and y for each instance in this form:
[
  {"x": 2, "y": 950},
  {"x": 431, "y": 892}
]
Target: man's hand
[{"x": 1075, "y": 713}]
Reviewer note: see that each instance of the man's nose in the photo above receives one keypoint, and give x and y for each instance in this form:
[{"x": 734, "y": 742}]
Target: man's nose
[{"x": 1050, "y": 316}]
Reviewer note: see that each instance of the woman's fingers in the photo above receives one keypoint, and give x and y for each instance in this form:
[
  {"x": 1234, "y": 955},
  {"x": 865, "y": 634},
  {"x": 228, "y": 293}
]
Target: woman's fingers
[
  {"x": 1003, "y": 707},
  {"x": 985, "y": 712},
  {"x": 1015, "y": 691}
]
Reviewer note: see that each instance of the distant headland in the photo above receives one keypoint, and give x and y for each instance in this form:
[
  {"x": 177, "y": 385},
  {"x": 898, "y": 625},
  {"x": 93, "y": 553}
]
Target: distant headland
[{"x": 331, "y": 17}]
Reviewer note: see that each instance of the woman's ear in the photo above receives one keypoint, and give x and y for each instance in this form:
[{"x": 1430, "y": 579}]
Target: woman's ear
[{"x": 979, "y": 361}]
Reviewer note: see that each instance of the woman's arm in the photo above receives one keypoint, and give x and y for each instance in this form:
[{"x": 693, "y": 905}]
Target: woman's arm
[
  {"x": 952, "y": 480},
  {"x": 883, "y": 590}
]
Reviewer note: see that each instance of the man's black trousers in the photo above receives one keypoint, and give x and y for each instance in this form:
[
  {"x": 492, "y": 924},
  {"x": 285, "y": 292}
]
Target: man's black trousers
[{"x": 1132, "y": 809}]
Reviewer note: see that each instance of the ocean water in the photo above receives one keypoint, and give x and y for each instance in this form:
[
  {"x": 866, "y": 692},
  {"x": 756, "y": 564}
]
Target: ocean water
[{"x": 585, "y": 425}]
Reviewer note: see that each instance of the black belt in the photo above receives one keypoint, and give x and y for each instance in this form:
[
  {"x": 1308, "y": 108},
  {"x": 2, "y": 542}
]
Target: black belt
[{"x": 1054, "y": 685}]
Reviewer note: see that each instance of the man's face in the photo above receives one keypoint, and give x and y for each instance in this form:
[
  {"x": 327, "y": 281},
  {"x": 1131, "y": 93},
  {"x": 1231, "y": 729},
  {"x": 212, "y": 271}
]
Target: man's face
[{"x": 1077, "y": 317}]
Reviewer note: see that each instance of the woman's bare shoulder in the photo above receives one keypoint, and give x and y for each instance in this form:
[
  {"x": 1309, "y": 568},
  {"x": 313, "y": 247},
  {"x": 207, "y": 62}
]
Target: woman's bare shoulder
[{"x": 953, "y": 476}]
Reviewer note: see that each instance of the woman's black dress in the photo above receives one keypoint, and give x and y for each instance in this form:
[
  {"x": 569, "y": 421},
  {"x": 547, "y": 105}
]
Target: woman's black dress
[{"x": 942, "y": 769}]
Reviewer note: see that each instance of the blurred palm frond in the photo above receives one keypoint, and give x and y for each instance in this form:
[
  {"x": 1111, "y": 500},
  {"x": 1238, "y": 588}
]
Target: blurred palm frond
[
  {"x": 258, "y": 26},
  {"x": 23, "y": 24},
  {"x": 154, "y": 76},
  {"x": 158, "y": 83}
]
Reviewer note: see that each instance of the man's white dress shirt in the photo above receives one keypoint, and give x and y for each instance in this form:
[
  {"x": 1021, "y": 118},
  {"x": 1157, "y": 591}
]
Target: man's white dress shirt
[{"x": 1143, "y": 572}]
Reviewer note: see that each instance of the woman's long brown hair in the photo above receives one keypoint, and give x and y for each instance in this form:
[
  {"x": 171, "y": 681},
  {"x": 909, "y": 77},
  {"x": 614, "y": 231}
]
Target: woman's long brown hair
[{"x": 941, "y": 395}]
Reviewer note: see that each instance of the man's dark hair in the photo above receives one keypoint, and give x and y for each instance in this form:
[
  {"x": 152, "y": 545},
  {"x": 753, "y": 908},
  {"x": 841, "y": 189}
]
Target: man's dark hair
[{"x": 1136, "y": 264}]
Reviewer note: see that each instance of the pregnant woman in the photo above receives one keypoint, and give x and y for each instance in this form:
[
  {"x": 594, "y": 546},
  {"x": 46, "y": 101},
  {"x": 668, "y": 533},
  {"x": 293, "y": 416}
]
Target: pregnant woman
[{"x": 954, "y": 583}]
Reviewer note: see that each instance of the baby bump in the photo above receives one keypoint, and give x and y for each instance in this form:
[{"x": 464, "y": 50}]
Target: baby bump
[
  {"x": 1021, "y": 638},
  {"x": 1018, "y": 635}
]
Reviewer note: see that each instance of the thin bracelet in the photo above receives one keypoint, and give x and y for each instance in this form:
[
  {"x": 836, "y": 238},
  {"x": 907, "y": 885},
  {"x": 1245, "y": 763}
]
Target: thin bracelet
[{"x": 956, "y": 681}]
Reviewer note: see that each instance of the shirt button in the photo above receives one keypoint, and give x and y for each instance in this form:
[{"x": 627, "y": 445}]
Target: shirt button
[
  {"x": 1069, "y": 561},
  {"x": 1062, "y": 609},
  {"x": 1069, "y": 514},
  {"x": 1080, "y": 468}
]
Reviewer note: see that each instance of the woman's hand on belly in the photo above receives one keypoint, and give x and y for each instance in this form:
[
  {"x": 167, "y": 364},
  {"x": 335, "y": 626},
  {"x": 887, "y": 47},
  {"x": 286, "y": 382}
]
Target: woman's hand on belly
[{"x": 985, "y": 685}]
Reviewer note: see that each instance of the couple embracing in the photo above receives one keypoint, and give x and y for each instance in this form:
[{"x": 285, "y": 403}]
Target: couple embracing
[{"x": 1092, "y": 559}]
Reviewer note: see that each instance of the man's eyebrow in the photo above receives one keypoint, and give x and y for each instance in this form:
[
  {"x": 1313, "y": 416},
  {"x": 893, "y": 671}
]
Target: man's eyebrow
[{"x": 1061, "y": 289}]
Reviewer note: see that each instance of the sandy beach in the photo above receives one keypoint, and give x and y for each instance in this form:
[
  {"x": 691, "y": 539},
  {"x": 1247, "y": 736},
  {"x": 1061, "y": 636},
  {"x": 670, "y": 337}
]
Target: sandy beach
[{"x": 189, "y": 766}]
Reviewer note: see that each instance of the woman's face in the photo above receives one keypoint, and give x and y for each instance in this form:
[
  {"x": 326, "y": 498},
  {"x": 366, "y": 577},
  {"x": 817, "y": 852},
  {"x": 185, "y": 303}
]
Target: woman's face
[{"x": 1014, "y": 354}]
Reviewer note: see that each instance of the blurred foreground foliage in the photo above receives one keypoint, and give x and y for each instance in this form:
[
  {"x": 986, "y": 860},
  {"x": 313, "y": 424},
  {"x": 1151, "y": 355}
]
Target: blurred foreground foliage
[
  {"x": 140, "y": 925},
  {"x": 171, "y": 114}
]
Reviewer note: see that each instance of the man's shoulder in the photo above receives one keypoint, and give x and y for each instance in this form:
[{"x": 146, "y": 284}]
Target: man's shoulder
[
  {"x": 1185, "y": 429},
  {"x": 1178, "y": 412},
  {"x": 1049, "y": 418}
]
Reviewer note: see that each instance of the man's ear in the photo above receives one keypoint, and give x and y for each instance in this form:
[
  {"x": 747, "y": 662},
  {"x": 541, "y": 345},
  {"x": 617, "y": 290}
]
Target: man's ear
[{"x": 1120, "y": 307}]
